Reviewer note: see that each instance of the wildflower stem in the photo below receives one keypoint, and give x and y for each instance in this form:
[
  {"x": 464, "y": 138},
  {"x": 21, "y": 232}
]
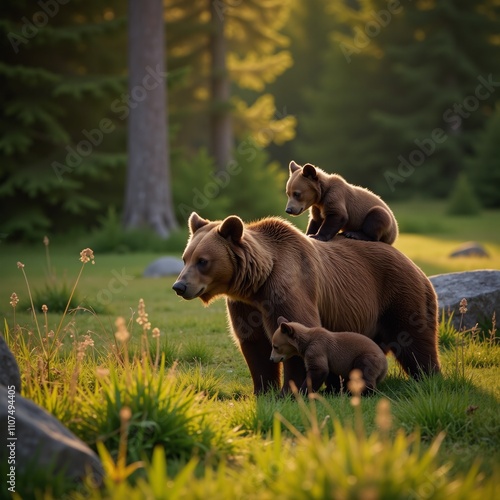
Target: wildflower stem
[
  {"x": 47, "y": 257},
  {"x": 69, "y": 300},
  {"x": 33, "y": 309}
]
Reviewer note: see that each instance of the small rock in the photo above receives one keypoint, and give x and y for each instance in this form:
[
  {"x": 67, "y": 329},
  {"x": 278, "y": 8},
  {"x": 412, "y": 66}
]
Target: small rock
[
  {"x": 165, "y": 266},
  {"x": 43, "y": 441},
  {"x": 470, "y": 249},
  {"x": 9, "y": 371},
  {"x": 481, "y": 289}
]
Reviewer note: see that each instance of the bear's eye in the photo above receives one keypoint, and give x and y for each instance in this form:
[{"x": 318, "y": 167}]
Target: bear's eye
[
  {"x": 202, "y": 262},
  {"x": 296, "y": 195}
]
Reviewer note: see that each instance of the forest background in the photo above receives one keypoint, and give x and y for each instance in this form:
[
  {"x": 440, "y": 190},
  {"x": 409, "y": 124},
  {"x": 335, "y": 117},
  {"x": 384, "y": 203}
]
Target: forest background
[{"x": 398, "y": 96}]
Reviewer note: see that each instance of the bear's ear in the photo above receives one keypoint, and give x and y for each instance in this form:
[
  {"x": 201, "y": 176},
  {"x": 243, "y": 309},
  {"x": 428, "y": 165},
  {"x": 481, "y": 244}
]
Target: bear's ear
[
  {"x": 309, "y": 171},
  {"x": 281, "y": 319},
  {"x": 196, "y": 222},
  {"x": 293, "y": 167},
  {"x": 287, "y": 329},
  {"x": 232, "y": 227}
]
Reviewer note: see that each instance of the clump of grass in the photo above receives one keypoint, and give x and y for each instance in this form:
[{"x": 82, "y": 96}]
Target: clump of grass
[
  {"x": 202, "y": 380},
  {"x": 179, "y": 419},
  {"x": 196, "y": 351},
  {"x": 436, "y": 404},
  {"x": 447, "y": 332}
]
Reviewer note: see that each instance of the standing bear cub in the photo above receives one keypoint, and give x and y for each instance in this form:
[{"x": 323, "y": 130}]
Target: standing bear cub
[
  {"x": 337, "y": 205},
  {"x": 329, "y": 356}
]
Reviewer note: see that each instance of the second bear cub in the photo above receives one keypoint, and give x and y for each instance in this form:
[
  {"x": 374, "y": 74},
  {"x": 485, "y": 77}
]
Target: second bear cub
[
  {"x": 337, "y": 205},
  {"x": 329, "y": 355}
]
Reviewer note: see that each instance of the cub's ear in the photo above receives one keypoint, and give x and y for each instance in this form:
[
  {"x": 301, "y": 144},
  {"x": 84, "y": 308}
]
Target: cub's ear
[
  {"x": 196, "y": 222},
  {"x": 281, "y": 319},
  {"x": 287, "y": 329},
  {"x": 309, "y": 171},
  {"x": 232, "y": 227},
  {"x": 293, "y": 167}
]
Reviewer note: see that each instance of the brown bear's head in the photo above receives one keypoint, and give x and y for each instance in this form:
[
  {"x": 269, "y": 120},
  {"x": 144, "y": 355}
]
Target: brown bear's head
[
  {"x": 284, "y": 341},
  {"x": 302, "y": 188},
  {"x": 209, "y": 261}
]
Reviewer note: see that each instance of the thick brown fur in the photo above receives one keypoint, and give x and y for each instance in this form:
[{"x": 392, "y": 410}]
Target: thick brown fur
[
  {"x": 329, "y": 355},
  {"x": 335, "y": 205},
  {"x": 268, "y": 269}
]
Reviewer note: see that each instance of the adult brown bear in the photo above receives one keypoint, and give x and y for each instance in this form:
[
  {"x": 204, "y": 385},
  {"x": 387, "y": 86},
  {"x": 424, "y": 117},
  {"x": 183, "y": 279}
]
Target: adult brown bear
[{"x": 268, "y": 269}]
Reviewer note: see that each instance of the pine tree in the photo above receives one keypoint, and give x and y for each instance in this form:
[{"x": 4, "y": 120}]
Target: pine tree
[
  {"x": 59, "y": 136},
  {"x": 447, "y": 53},
  {"x": 484, "y": 168},
  {"x": 393, "y": 88}
]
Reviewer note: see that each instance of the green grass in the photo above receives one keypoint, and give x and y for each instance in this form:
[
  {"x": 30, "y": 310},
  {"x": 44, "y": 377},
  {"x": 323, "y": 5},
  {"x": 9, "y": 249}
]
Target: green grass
[{"x": 229, "y": 444}]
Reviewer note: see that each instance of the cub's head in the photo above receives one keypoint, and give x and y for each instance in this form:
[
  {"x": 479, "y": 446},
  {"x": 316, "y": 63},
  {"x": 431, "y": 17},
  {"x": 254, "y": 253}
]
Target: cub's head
[
  {"x": 284, "y": 341},
  {"x": 302, "y": 188},
  {"x": 209, "y": 263}
]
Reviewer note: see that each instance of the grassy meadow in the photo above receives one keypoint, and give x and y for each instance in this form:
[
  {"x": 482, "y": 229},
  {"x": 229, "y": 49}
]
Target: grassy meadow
[{"x": 194, "y": 429}]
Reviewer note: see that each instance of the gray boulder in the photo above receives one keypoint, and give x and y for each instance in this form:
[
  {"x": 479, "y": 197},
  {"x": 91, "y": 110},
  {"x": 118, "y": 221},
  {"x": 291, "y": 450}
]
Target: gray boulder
[
  {"x": 165, "y": 266},
  {"x": 470, "y": 249},
  {"x": 9, "y": 371},
  {"x": 42, "y": 441},
  {"x": 480, "y": 288}
]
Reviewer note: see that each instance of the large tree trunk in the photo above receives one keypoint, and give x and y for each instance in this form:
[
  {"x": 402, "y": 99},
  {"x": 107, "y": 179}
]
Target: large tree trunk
[
  {"x": 221, "y": 131},
  {"x": 148, "y": 201}
]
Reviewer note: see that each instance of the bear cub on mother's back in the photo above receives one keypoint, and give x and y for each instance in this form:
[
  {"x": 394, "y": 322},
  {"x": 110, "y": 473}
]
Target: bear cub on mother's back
[
  {"x": 337, "y": 205},
  {"x": 329, "y": 355}
]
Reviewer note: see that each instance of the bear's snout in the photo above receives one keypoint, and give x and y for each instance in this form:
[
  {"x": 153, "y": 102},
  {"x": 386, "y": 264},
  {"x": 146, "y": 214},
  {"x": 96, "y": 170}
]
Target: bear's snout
[
  {"x": 180, "y": 288},
  {"x": 288, "y": 210}
]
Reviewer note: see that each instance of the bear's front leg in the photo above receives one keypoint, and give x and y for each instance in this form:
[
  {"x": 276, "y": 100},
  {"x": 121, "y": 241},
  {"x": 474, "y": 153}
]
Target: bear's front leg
[
  {"x": 330, "y": 227},
  {"x": 294, "y": 371},
  {"x": 316, "y": 376},
  {"x": 315, "y": 221},
  {"x": 248, "y": 329}
]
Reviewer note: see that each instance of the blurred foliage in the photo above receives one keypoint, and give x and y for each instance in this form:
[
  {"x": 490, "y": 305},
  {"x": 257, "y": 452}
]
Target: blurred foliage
[{"x": 256, "y": 56}]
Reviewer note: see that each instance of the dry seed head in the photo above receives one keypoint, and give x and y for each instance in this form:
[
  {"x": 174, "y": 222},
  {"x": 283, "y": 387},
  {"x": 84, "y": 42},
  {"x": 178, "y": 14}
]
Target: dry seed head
[
  {"x": 101, "y": 371},
  {"x": 20, "y": 265},
  {"x": 463, "y": 306},
  {"x": 50, "y": 334},
  {"x": 44, "y": 308},
  {"x": 46, "y": 241},
  {"x": 383, "y": 417},
  {"x": 156, "y": 333},
  {"x": 356, "y": 383},
  {"x": 121, "y": 334},
  {"x": 125, "y": 414},
  {"x": 87, "y": 255},
  {"x": 14, "y": 299},
  {"x": 142, "y": 316}
]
